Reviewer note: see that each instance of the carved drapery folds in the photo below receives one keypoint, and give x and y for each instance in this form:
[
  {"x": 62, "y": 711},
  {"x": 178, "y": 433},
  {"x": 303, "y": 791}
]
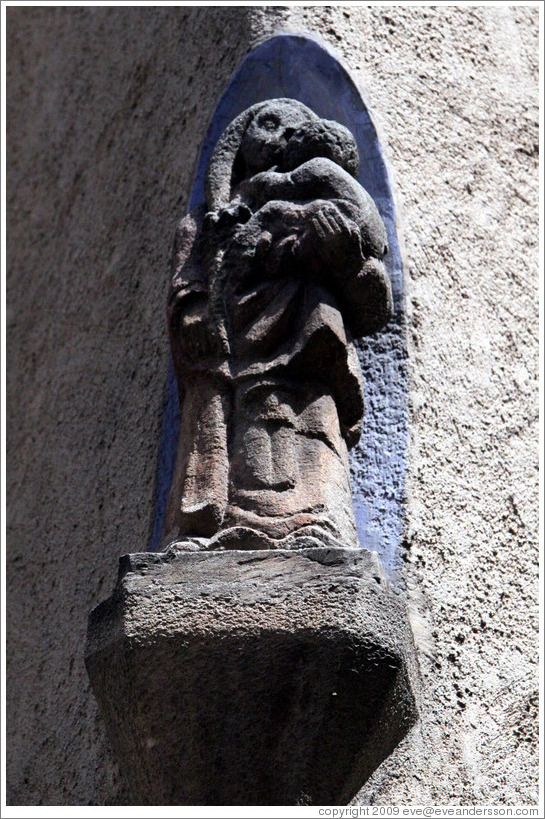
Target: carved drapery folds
[{"x": 271, "y": 282}]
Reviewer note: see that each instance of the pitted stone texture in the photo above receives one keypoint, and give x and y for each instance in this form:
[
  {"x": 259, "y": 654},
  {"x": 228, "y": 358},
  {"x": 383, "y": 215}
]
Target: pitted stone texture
[{"x": 252, "y": 678}]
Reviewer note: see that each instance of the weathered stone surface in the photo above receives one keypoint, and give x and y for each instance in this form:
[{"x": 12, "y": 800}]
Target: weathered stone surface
[
  {"x": 271, "y": 280},
  {"x": 252, "y": 677}
]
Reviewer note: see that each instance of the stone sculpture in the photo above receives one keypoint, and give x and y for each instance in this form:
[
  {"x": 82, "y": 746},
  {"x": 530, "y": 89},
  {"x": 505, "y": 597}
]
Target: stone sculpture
[
  {"x": 284, "y": 674},
  {"x": 272, "y": 280}
]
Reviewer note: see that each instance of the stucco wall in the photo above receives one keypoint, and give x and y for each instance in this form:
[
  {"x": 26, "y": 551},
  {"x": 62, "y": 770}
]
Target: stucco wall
[{"x": 106, "y": 111}]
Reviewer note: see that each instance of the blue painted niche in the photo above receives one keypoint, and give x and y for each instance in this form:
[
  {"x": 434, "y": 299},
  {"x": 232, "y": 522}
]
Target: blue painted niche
[{"x": 299, "y": 67}]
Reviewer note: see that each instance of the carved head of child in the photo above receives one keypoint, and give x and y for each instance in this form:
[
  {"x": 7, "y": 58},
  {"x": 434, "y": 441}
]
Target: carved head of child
[{"x": 322, "y": 138}]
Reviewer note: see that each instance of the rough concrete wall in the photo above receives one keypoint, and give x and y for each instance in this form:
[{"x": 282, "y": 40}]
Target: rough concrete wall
[{"x": 106, "y": 111}]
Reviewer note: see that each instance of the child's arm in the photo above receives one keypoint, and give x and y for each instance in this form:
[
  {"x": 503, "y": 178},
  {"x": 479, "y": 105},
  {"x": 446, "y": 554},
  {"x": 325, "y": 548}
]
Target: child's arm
[{"x": 321, "y": 179}]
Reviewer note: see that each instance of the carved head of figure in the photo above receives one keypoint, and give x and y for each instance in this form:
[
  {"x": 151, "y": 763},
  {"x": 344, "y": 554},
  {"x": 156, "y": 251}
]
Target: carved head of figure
[{"x": 267, "y": 135}]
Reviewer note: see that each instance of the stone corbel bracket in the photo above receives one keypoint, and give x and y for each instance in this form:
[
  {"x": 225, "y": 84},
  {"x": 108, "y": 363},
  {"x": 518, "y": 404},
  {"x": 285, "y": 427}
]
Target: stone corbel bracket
[{"x": 252, "y": 678}]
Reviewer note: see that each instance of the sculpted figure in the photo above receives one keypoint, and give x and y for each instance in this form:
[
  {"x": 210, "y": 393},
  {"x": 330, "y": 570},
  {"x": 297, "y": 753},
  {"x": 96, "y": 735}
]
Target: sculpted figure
[{"x": 272, "y": 281}]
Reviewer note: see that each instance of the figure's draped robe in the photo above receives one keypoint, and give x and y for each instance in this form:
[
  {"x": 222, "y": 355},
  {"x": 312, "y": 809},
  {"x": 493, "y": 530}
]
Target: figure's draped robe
[{"x": 265, "y": 427}]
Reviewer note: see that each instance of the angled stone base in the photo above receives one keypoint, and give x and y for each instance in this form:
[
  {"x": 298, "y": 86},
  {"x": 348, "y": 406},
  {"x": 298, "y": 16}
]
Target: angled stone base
[{"x": 252, "y": 678}]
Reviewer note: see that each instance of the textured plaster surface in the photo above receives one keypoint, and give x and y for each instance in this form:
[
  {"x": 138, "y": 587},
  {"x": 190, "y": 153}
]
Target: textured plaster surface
[{"x": 106, "y": 111}]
